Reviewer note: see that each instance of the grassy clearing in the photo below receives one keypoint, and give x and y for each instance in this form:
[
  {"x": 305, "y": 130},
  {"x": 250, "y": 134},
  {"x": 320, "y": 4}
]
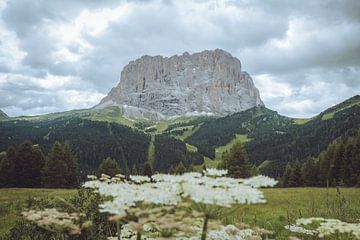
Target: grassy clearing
[
  {"x": 13, "y": 201},
  {"x": 283, "y": 206},
  {"x": 220, "y": 150},
  {"x": 301, "y": 121}
]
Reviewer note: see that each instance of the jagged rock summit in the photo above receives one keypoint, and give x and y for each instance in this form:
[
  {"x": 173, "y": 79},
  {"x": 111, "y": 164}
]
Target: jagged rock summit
[{"x": 208, "y": 82}]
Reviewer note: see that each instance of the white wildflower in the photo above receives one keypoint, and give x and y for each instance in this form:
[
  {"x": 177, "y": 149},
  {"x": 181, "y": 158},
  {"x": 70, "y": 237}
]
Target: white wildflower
[
  {"x": 260, "y": 181},
  {"x": 139, "y": 179},
  {"x": 215, "y": 172}
]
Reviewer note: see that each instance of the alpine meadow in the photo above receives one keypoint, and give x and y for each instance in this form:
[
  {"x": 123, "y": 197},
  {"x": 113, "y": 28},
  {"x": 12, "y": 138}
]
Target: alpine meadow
[{"x": 183, "y": 120}]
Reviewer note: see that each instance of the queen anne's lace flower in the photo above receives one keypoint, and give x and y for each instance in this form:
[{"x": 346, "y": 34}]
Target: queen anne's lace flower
[
  {"x": 260, "y": 181},
  {"x": 326, "y": 227},
  {"x": 215, "y": 172},
  {"x": 163, "y": 189}
]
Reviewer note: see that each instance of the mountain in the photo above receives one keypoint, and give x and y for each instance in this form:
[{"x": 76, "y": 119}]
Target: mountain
[
  {"x": 3, "y": 115},
  {"x": 276, "y": 140},
  {"x": 271, "y": 140},
  {"x": 204, "y": 83}
]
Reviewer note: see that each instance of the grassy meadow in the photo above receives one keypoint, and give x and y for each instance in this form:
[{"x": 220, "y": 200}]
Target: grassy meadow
[
  {"x": 14, "y": 200},
  {"x": 284, "y": 205}
]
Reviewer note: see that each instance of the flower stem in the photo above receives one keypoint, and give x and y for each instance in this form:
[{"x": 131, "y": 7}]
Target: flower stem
[
  {"x": 205, "y": 226},
  {"x": 138, "y": 236},
  {"x": 118, "y": 228}
]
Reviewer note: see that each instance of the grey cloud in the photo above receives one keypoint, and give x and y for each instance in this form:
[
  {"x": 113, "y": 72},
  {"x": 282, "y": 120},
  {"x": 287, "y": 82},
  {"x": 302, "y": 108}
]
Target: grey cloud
[{"x": 326, "y": 48}]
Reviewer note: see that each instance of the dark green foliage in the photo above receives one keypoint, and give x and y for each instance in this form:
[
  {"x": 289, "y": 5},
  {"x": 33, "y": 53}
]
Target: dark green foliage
[
  {"x": 28, "y": 165},
  {"x": 295, "y": 178},
  {"x": 109, "y": 166},
  {"x": 237, "y": 162},
  {"x": 55, "y": 170},
  {"x": 147, "y": 170},
  {"x": 22, "y": 167},
  {"x": 170, "y": 152},
  {"x": 254, "y": 122},
  {"x": 72, "y": 165},
  {"x": 276, "y": 138},
  {"x": 338, "y": 165},
  {"x": 91, "y": 141},
  {"x": 302, "y": 141},
  {"x": 180, "y": 169}
]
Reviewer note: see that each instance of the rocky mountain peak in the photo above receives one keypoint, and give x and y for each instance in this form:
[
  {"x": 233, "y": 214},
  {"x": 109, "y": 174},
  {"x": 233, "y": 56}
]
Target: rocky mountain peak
[{"x": 208, "y": 82}]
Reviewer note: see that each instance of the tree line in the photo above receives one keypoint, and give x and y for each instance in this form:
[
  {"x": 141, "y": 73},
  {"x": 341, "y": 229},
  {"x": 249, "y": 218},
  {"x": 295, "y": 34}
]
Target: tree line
[
  {"x": 338, "y": 165},
  {"x": 27, "y": 166}
]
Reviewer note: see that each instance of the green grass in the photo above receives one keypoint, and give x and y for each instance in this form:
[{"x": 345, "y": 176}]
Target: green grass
[
  {"x": 13, "y": 201},
  {"x": 284, "y": 205},
  {"x": 220, "y": 150},
  {"x": 340, "y": 107},
  {"x": 301, "y": 121},
  {"x": 109, "y": 114}
]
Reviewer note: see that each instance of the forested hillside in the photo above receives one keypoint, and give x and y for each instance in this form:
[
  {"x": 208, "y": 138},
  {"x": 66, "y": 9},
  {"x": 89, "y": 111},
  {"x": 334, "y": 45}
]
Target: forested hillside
[
  {"x": 91, "y": 141},
  {"x": 254, "y": 123},
  {"x": 277, "y": 139},
  {"x": 270, "y": 138}
]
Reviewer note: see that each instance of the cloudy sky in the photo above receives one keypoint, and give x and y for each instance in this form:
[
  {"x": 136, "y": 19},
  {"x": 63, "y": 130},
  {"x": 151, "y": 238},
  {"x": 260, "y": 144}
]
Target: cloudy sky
[{"x": 304, "y": 56}]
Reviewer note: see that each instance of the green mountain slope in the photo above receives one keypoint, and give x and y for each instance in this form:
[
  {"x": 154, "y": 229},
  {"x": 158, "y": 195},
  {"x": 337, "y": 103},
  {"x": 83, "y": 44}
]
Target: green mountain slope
[
  {"x": 277, "y": 139},
  {"x": 253, "y": 123},
  {"x": 268, "y": 136}
]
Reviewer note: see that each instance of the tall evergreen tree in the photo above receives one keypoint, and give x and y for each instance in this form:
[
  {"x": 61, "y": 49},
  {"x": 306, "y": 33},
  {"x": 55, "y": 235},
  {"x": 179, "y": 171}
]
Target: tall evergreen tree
[
  {"x": 147, "y": 170},
  {"x": 72, "y": 166},
  {"x": 237, "y": 162},
  {"x": 180, "y": 168},
  {"x": 286, "y": 176},
  {"x": 28, "y": 164},
  {"x": 295, "y": 179},
  {"x": 55, "y": 170},
  {"x": 309, "y": 173},
  {"x": 337, "y": 161},
  {"x": 109, "y": 166}
]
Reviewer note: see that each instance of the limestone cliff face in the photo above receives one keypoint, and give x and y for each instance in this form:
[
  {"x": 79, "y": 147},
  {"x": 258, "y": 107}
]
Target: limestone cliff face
[{"x": 209, "y": 82}]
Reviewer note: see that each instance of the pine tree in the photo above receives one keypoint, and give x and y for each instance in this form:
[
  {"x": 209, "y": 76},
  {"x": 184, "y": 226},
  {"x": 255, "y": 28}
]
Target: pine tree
[
  {"x": 237, "y": 162},
  {"x": 55, "y": 170},
  {"x": 28, "y": 164},
  {"x": 337, "y": 162},
  {"x": 180, "y": 168},
  {"x": 134, "y": 170},
  {"x": 309, "y": 173},
  {"x": 7, "y": 168},
  {"x": 295, "y": 179},
  {"x": 109, "y": 167},
  {"x": 38, "y": 164},
  {"x": 355, "y": 175},
  {"x": 72, "y": 166},
  {"x": 286, "y": 176},
  {"x": 147, "y": 170}
]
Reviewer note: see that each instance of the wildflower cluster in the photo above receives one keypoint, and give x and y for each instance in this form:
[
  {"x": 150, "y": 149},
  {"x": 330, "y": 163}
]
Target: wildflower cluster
[
  {"x": 55, "y": 221},
  {"x": 128, "y": 196},
  {"x": 325, "y": 227}
]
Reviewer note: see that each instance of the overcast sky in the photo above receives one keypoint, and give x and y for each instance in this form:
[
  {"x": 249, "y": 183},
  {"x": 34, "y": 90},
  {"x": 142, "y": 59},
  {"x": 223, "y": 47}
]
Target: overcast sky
[{"x": 304, "y": 56}]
